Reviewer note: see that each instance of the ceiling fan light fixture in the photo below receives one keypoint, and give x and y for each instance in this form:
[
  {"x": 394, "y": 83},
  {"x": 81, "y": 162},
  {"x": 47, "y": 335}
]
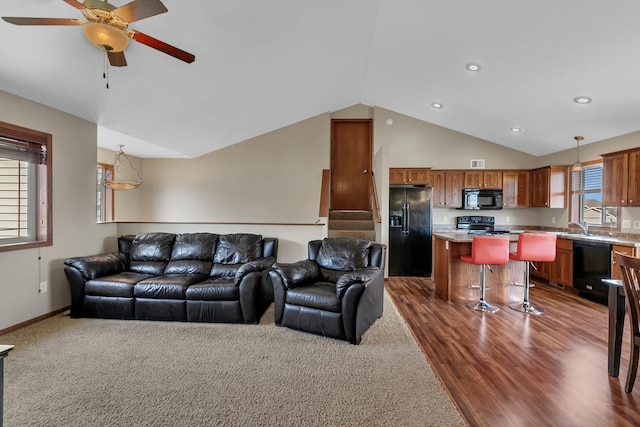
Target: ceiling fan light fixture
[
  {"x": 122, "y": 177},
  {"x": 106, "y": 37}
]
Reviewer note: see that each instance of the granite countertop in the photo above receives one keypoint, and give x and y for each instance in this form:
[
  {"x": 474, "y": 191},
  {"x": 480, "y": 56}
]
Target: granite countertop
[{"x": 463, "y": 236}]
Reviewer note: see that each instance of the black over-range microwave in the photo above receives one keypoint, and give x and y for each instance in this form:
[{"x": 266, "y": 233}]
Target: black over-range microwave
[{"x": 474, "y": 198}]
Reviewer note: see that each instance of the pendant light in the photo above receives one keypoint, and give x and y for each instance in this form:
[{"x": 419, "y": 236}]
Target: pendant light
[
  {"x": 123, "y": 177},
  {"x": 577, "y": 167}
]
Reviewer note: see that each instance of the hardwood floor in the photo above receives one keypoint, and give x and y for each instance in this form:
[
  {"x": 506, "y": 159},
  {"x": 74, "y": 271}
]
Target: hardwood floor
[{"x": 513, "y": 369}]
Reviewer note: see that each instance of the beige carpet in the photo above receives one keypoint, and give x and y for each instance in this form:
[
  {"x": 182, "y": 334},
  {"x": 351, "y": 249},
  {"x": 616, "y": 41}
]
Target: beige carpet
[{"x": 95, "y": 372}]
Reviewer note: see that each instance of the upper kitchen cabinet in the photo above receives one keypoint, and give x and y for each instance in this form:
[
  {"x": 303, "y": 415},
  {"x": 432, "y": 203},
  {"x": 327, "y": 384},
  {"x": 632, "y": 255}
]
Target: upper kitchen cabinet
[
  {"x": 447, "y": 188},
  {"x": 548, "y": 187},
  {"x": 420, "y": 176},
  {"x": 483, "y": 179},
  {"x": 516, "y": 189},
  {"x": 620, "y": 176}
]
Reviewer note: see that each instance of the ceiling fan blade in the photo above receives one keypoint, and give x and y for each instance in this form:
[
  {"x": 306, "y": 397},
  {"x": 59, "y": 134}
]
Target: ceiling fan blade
[
  {"x": 41, "y": 21},
  {"x": 163, "y": 47},
  {"x": 140, "y": 9},
  {"x": 117, "y": 59},
  {"x": 75, "y": 4}
]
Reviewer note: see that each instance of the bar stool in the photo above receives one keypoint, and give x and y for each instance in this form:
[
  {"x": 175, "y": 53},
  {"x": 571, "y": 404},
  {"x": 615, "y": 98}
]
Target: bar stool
[
  {"x": 533, "y": 247},
  {"x": 485, "y": 251}
]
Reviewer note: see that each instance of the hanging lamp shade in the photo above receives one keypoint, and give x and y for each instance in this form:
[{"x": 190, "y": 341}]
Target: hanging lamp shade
[
  {"x": 124, "y": 176},
  {"x": 577, "y": 166}
]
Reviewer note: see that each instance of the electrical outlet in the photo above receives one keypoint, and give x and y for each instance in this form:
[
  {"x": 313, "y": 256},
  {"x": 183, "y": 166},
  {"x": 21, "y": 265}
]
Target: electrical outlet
[
  {"x": 553, "y": 220},
  {"x": 506, "y": 219},
  {"x": 446, "y": 218},
  {"x": 43, "y": 287},
  {"x": 636, "y": 224},
  {"x": 626, "y": 223}
]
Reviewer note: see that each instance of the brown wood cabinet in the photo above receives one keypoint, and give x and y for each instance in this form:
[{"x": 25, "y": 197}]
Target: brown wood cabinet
[
  {"x": 562, "y": 268},
  {"x": 548, "y": 187},
  {"x": 447, "y": 188},
  {"x": 483, "y": 179},
  {"x": 516, "y": 189},
  {"x": 410, "y": 176},
  {"x": 627, "y": 250},
  {"x": 620, "y": 176}
]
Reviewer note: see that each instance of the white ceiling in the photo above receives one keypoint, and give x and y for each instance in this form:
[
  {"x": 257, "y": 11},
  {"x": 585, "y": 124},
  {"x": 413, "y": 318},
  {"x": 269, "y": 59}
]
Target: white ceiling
[{"x": 264, "y": 64}]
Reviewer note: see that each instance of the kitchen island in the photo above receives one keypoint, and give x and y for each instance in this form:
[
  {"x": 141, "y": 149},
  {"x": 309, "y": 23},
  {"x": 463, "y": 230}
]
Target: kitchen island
[{"x": 452, "y": 276}]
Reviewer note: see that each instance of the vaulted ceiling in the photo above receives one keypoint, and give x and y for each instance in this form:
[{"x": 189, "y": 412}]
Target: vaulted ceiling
[{"x": 262, "y": 65}]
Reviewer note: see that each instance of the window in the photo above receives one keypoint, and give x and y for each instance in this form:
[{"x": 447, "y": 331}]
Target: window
[
  {"x": 25, "y": 188},
  {"x": 586, "y": 198},
  {"x": 104, "y": 195}
]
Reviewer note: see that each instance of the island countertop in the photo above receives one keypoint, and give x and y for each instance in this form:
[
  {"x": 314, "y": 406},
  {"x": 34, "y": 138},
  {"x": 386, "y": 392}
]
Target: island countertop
[{"x": 464, "y": 236}]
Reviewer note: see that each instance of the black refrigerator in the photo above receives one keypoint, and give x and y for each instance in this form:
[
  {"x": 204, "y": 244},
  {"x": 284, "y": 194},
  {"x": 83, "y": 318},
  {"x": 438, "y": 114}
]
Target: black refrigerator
[{"x": 410, "y": 230}]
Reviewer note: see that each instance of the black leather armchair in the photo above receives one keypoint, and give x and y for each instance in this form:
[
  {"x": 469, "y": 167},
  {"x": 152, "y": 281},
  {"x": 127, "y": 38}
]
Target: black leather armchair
[{"x": 337, "y": 292}]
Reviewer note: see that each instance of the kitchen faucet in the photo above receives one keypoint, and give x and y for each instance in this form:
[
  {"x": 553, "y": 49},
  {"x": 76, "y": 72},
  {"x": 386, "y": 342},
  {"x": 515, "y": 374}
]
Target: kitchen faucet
[{"x": 584, "y": 226}]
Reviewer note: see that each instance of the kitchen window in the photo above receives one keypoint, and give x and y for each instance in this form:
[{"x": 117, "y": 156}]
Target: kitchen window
[
  {"x": 586, "y": 198},
  {"x": 25, "y": 188}
]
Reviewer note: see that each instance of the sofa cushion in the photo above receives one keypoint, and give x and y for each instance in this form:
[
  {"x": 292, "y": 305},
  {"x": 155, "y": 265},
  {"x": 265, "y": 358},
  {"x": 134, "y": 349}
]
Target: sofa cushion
[
  {"x": 116, "y": 285},
  {"x": 238, "y": 248},
  {"x": 344, "y": 253},
  {"x": 319, "y": 295},
  {"x": 152, "y": 247},
  {"x": 154, "y": 268},
  {"x": 214, "y": 289},
  {"x": 169, "y": 286},
  {"x": 99, "y": 265},
  {"x": 196, "y": 246},
  {"x": 188, "y": 267},
  {"x": 150, "y": 252}
]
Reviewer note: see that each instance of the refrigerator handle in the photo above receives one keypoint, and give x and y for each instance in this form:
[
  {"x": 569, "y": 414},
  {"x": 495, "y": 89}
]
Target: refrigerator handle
[{"x": 407, "y": 216}]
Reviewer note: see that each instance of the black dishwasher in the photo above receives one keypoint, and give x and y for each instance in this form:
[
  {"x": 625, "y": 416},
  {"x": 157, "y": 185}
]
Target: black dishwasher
[{"x": 591, "y": 264}]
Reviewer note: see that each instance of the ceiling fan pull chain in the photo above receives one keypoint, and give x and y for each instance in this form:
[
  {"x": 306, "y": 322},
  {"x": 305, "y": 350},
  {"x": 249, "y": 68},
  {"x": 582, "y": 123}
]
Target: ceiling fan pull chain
[{"x": 105, "y": 68}]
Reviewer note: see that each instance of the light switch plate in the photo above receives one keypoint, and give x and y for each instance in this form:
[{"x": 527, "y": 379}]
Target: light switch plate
[
  {"x": 626, "y": 223},
  {"x": 636, "y": 224}
]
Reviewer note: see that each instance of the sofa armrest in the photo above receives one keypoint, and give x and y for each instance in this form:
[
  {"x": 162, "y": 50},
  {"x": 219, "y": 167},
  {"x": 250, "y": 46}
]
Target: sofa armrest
[
  {"x": 258, "y": 265},
  {"x": 363, "y": 275},
  {"x": 99, "y": 265},
  {"x": 297, "y": 273}
]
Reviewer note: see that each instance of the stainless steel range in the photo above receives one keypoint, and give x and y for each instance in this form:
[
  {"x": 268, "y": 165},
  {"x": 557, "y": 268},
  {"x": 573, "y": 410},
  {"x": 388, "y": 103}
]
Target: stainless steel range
[{"x": 479, "y": 225}]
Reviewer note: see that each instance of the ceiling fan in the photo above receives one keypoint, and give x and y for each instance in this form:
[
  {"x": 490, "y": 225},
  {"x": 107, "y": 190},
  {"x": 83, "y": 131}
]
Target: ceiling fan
[{"x": 107, "y": 27}]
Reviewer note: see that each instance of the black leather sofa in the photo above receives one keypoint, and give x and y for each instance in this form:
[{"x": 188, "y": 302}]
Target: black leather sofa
[
  {"x": 196, "y": 277},
  {"x": 338, "y": 292}
]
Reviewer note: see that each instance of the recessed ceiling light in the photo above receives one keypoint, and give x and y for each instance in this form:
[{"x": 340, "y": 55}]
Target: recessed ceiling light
[
  {"x": 516, "y": 130},
  {"x": 473, "y": 67},
  {"x": 582, "y": 100},
  {"x": 437, "y": 105}
]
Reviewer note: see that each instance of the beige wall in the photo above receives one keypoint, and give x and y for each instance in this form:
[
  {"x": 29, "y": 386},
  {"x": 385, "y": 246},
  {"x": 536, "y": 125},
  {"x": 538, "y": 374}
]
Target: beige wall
[
  {"x": 275, "y": 178},
  {"x": 75, "y": 231}
]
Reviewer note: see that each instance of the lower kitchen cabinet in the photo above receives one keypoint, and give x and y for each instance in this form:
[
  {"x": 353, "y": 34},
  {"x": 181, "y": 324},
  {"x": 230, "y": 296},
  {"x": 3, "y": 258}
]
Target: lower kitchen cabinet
[
  {"x": 627, "y": 250},
  {"x": 562, "y": 267},
  {"x": 559, "y": 271}
]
